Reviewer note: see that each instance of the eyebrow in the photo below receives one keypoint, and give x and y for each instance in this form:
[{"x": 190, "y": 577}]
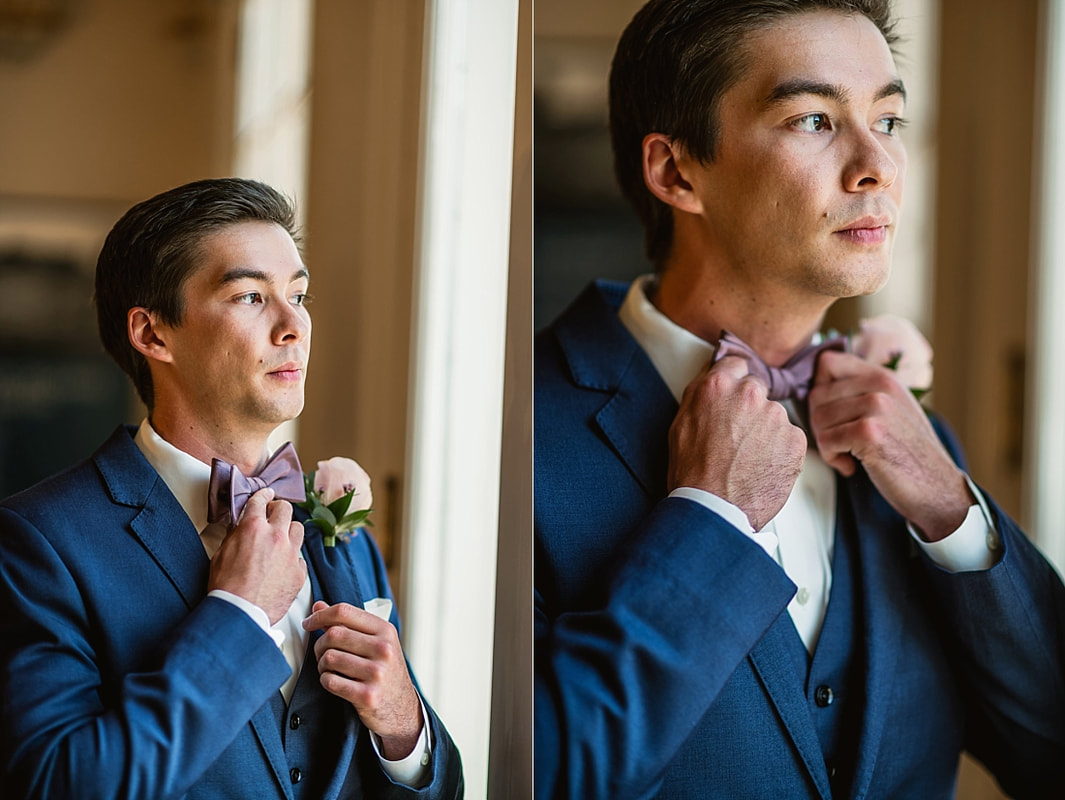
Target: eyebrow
[
  {"x": 247, "y": 273},
  {"x": 789, "y": 90}
]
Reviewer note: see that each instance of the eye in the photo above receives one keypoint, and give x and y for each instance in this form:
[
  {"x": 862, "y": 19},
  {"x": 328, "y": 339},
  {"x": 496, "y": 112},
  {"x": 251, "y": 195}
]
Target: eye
[
  {"x": 892, "y": 126},
  {"x": 300, "y": 299},
  {"x": 812, "y": 123},
  {"x": 248, "y": 298}
]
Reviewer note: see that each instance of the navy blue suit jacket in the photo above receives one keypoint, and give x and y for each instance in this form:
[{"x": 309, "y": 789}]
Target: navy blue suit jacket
[
  {"x": 119, "y": 678},
  {"x": 661, "y": 662}
]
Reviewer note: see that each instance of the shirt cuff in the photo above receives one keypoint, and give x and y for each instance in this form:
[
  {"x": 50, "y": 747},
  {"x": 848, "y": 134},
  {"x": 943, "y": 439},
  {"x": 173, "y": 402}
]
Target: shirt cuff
[
  {"x": 974, "y": 546},
  {"x": 732, "y": 514},
  {"x": 414, "y": 770},
  {"x": 257, "y": 615}
]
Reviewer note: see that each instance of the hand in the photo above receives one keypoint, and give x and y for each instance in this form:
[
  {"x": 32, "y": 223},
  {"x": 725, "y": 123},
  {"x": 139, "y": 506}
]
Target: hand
[
  {"x": 360, "y": 660},
  {"x": 861, "y": 412},
  {"x": 729, "y": 439},
  {"x": 259, "y": 560}
]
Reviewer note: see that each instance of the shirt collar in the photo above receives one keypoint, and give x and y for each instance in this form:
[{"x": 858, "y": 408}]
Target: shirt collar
[
  {"x": 677, "y": 353},
  {"x": 187, "y": 477}
]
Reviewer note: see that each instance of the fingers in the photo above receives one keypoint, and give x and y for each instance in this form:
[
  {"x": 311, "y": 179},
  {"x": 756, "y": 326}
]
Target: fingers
[
  {"x": 344, "y": 615},
  {"x": 278, "y": 512},
  {"x": 731, "y": 366},
  {"x": 379, "y": 647},
  {"x": 834, "y": 364},
  {"x": 257, "y": 505},
  {"x": 295, "y": 534}
]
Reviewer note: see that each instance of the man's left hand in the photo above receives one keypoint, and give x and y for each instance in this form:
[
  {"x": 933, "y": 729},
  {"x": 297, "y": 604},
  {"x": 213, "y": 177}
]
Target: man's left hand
[
  {"x": 861, "y": 412},
  {"x": 360, "y": 660}
]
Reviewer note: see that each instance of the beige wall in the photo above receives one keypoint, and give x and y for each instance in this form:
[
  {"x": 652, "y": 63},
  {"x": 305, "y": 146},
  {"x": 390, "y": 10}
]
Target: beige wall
[
  {"x": 361, "y": 208},
  {"x": 128, "y": 99}
]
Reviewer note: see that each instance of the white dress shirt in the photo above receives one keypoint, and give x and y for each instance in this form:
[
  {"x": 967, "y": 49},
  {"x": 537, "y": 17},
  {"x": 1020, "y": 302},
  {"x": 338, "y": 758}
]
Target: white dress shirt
[
  {"x": 189, "y": 479},
  {"x": 800, "y": 537}
]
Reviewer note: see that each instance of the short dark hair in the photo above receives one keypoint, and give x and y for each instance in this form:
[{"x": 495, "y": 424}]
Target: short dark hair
[
  {"x": 673, "y": 63},
  {"x": 154, "y": 248}
]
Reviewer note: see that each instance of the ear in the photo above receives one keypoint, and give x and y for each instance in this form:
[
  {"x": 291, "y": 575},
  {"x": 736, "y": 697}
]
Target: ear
[
  {"x": 664, "y": 165},
  {"x": 146, "y": 334}
]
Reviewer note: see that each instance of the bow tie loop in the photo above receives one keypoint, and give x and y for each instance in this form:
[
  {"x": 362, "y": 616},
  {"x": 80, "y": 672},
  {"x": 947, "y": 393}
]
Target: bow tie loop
[
  {"x": 791, "y": 381},
  {"x": 230, "y": 489}
]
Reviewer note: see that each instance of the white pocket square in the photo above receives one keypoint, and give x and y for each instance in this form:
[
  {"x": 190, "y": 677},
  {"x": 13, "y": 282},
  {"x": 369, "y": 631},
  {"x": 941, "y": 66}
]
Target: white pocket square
[{"x": 379, "y": 607}]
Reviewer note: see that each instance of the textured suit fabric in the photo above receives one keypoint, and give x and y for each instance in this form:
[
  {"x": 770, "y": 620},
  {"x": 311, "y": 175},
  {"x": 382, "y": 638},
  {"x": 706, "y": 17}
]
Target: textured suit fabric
[
  {"x": 119, "y": 678},
  {"x": 664, "y": 656}
]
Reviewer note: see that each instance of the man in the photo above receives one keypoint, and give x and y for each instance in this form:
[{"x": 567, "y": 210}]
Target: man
[
  {"x": 146, "y": 652},
  {"x": 728, "y": 605}
]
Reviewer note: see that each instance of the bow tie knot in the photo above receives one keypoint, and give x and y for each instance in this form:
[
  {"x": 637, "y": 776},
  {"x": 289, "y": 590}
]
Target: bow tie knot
[
  {"x": 230, "y": 489},
  {"x": 791, "y": 381}
]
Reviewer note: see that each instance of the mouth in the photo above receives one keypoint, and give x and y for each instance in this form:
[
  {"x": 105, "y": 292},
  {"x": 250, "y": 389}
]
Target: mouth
[
  {"x": 867, "y": 230},
  {"x": 291, "y": 371}
]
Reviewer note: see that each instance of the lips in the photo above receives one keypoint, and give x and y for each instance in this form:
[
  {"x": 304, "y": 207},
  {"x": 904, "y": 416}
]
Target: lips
[
  {"x": 866, "y": 223},
  {"x": 866, "y": 230},
  {"x": 290, "y": 370}
]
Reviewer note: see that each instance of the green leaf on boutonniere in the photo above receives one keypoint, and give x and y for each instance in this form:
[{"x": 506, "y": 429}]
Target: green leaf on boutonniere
[
  {"x": 324, "y": 514},
  {"x": 893, "y": 364},
  {"x": 339, "y": 507},
  {"x": 332, "y": 520},
  {"x": 356, "y": 519}
]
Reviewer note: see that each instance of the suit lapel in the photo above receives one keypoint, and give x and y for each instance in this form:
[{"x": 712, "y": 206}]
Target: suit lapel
[
  {"x": 603, "y": 356},
  {"x": 879, "y": 535},
  {"x": 775, "y": 667},
  {"x": 267, "y": 726},
  {"x": 161, "y": 525},
  {"x": 331, "y": 568}
]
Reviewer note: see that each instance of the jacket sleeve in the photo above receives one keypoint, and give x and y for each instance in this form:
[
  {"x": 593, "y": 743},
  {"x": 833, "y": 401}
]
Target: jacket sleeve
[
  {"x": 167, "y": 722},
  {"x": 1006, "y": 631},
  {"x": 618, "y": 689}
]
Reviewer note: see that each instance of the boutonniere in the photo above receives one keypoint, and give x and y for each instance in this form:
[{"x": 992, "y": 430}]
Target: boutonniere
[
  {"x": 895, "y": 343},
  {"x": 338, "y": 499}
]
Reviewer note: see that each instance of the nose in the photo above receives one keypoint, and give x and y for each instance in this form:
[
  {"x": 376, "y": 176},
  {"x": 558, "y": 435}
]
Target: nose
[
  {"x": 293, "y": 324},
  {"x": 871, "y": 166}
]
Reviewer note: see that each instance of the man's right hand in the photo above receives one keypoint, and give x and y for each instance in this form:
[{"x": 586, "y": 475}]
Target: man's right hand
[
  {"x": 259, "y": 560},
  {"x": 731, "y": 440}
]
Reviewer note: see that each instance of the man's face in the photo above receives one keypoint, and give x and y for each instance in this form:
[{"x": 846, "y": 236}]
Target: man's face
[
  {"x": 240, "y": 353},
  {"x": 805, "y": 189}
]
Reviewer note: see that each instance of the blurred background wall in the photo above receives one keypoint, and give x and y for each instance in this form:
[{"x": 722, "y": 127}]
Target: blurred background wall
[
  {"x": 979, "y": 249},
  {"x": 104, "y": 103}
]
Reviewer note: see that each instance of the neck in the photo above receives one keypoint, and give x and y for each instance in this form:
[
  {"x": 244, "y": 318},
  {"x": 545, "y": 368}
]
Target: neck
[
  {"x": 705, "y": 299},
  {"x": 208, "y": 439}
]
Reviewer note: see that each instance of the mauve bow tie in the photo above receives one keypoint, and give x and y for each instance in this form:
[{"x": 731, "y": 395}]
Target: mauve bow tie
[
  {"x": 791, "y": 381},
  {"x": 230, "y": 488}
]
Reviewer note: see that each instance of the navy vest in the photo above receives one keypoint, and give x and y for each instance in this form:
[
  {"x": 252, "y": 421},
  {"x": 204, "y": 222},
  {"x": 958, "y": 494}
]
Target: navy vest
[
  {"x": 833, "y": 675},
  {"x": 312, "y": 725}
]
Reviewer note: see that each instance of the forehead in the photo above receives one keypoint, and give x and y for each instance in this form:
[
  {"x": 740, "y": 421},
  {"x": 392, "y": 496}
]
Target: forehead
[
  {"x": 250, "y": 248},
  {"x": 845, "y": 50}
]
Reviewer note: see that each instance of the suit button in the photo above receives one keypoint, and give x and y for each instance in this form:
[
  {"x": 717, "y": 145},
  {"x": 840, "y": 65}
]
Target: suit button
[
  {"x": 294, "y": 721},
  {"x": 823, "y": 696},
  {"x": 295, "y": 774}
]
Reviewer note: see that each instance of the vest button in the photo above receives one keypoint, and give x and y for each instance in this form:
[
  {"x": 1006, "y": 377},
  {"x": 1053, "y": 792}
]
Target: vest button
[
  {"x": 823, "y": 696},
  {"x": 295, "y": 774},
  {"x": 294, "y": 721}
]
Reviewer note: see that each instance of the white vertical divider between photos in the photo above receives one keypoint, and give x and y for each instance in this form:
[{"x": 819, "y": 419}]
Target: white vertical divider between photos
[
  {"x": 455, "y": 408},
  {"x": 1046, "y": 413}
]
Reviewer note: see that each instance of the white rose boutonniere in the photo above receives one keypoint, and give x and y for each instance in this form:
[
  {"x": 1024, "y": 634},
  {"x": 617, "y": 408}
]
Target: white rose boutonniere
[
  {"x": 895, "y": 343},
  {"x": 339, "y": 499}
]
